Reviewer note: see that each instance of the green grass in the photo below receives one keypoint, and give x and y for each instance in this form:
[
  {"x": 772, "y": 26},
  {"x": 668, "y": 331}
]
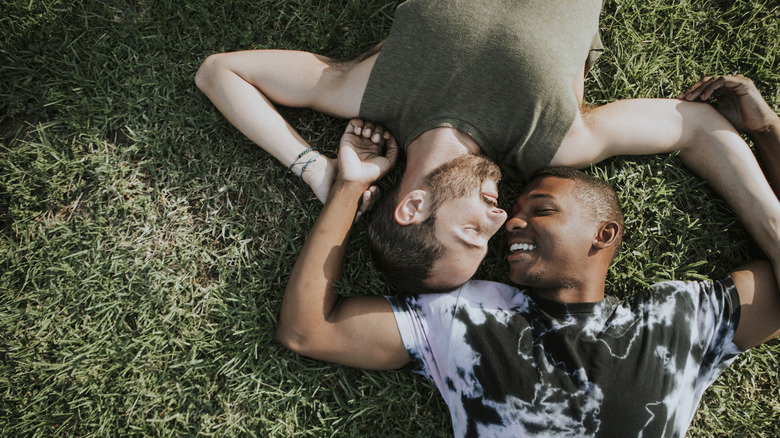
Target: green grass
[{"x": 145, "y": 244}]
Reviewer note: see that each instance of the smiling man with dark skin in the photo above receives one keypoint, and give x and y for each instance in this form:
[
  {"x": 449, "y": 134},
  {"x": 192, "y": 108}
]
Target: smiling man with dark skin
[{"x": 555, "y": 356}]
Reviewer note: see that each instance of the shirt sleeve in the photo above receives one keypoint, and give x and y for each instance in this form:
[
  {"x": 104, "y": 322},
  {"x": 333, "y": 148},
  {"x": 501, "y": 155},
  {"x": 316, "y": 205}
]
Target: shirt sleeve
[
  {"x": 596, "y": 49},
  {"x": 718, "y": 318},
  {"x": 418, "y": 317},
  {"x": 706, "y": 315}
]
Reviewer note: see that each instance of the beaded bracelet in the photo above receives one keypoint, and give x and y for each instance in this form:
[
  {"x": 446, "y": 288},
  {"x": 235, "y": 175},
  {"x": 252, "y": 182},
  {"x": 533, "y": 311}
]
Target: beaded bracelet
[{"x": 305, "y": 165}]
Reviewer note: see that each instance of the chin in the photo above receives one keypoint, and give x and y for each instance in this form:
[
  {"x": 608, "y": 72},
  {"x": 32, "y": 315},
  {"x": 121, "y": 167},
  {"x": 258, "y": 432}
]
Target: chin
[
  {"x": 521, "y": 281},
  {"x": 526, "y": 279}
]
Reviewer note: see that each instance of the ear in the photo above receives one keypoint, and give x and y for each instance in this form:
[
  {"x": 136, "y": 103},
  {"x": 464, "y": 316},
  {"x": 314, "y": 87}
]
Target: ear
[
  {"x": 410, "y": 208},
  {"x": 607, "y": 235}
]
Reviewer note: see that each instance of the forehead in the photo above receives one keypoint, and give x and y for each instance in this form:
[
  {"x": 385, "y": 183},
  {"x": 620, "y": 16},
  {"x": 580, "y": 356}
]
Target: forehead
[{"x": 550, "y": 187}]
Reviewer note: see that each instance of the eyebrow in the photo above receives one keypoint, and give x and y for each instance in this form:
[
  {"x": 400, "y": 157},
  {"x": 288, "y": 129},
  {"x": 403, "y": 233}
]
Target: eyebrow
[
  {"x": 533, "y": 196},
  {"x": 540, "y": 196}
]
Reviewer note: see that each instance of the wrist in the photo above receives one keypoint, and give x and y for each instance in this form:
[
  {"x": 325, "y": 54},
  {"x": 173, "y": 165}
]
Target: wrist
[
  {"x": 348, "y": 188},
  {"x": 769, "y": 132}
]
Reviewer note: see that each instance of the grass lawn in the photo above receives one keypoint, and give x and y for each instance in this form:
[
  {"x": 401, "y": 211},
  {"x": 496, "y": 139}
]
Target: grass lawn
[{"x": 145, "y": 243}]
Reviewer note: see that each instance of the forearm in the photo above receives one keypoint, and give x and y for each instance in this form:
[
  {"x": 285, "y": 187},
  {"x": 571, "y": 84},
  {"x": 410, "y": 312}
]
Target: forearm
[
  {"x": 707, "y": 143},
  {"x": 309, "y": 297},
  {"x": 767, "y": 144},
  {"x": 718, "y": 154}
]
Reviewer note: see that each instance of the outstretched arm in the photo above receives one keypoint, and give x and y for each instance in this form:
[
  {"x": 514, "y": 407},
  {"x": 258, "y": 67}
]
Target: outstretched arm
[
  {"x": 243, "y": 85},
  {"x": 711, "y": 147},
  {"x": 707, "y": 143},
  {"x": 314, "y": 321},
  {"x": 741, "y": 103}
]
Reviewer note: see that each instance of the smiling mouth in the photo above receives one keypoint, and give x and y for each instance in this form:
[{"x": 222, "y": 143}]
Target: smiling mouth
[{"x": 522, "y": 247}]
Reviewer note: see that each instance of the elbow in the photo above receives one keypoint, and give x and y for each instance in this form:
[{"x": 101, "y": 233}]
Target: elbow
[
  {"x": 293, "y": 340},
  {"x": 285, "y": 337},
  {"x": 204, "y": 77}
]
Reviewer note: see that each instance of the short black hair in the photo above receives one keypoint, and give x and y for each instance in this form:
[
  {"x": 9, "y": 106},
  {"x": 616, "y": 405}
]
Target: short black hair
[{"x": 594, "y": 193}]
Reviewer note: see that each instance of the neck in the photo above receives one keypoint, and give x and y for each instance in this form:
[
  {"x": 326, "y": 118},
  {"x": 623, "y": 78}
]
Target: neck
[
  {"x": 431, "y": 149},
  {"x": 568, "y": 296},
  {"x": 590, "y": 290}
]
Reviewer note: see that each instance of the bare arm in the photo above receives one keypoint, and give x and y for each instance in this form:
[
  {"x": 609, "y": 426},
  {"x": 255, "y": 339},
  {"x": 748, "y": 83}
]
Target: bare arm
[
  {"x": 707, "y": 143},
  {"x": 741, "y": 103},
  {"x": 711, "y": 147},
  {"x": 358, "y": 331},
  {"x": 243, "y": 85},
  {"x": 759, "y": 319}
]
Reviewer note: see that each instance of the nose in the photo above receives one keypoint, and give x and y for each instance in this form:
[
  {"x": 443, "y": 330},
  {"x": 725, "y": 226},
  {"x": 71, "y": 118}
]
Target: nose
[
  {"x": 515, "y": 223},
  {"x": 497, "y": 216}
]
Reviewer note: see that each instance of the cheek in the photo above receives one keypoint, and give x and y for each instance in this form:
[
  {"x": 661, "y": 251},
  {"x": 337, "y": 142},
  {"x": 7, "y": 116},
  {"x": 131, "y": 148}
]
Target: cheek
[
  {"x": 576, "y": 246},
  {"x": 497, "y": 225}
]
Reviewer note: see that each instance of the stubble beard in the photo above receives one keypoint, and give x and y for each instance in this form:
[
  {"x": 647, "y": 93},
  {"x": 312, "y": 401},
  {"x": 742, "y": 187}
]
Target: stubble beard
[{"x": 539, "y": 282}]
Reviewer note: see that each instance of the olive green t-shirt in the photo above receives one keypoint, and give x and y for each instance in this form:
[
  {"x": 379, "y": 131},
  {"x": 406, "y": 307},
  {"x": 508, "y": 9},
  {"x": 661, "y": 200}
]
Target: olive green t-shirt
[{"x": 499, "y": 70}]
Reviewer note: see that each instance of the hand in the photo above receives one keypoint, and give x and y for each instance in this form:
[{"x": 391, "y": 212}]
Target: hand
[
  {"x": 359, "y": 159},
  {"x": 739, "y": 101}
]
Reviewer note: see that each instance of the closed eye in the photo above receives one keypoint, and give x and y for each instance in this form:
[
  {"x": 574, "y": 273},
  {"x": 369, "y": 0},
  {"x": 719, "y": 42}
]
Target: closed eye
[{"x": 489, "y": 201}]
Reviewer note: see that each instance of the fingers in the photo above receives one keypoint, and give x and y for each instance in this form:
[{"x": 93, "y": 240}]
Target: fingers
[
  {"x": 703, "y": 89},
  {"x": 367, "y": 201},
  {"x": 369, "y": 130},
  {"x": 693, "y": 88},
  {"x": 366, "y": 152},
  {"x": 391, "y": 149},
  {"x": 709, "y": 85},
  {"x": 355, "y": 126}
]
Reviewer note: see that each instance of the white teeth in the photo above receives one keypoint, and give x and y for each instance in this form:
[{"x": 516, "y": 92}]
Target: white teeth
[{"x": 522, "y": 246}]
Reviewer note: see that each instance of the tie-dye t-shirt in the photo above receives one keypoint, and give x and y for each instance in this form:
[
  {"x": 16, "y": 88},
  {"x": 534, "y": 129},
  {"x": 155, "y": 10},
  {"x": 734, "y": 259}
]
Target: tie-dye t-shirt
[{"x": 509, "y": 363}]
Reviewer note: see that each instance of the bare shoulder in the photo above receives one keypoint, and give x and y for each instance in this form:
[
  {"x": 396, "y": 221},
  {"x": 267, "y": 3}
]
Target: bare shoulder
[
  {"x": 346, "y": 81},
  {"x": 578, "y": 148}
]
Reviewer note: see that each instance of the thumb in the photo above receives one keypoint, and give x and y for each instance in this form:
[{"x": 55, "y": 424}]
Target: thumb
[{"x": 392, "y": 150}]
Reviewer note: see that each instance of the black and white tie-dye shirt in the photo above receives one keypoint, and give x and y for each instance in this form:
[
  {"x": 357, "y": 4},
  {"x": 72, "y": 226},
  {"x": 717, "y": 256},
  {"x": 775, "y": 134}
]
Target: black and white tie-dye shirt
[{"x": 509, "y": 363}]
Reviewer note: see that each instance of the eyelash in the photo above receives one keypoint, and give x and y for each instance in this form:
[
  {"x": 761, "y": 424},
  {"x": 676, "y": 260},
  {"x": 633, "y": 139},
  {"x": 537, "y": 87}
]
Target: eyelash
[{"x": 489, "y": 201}]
